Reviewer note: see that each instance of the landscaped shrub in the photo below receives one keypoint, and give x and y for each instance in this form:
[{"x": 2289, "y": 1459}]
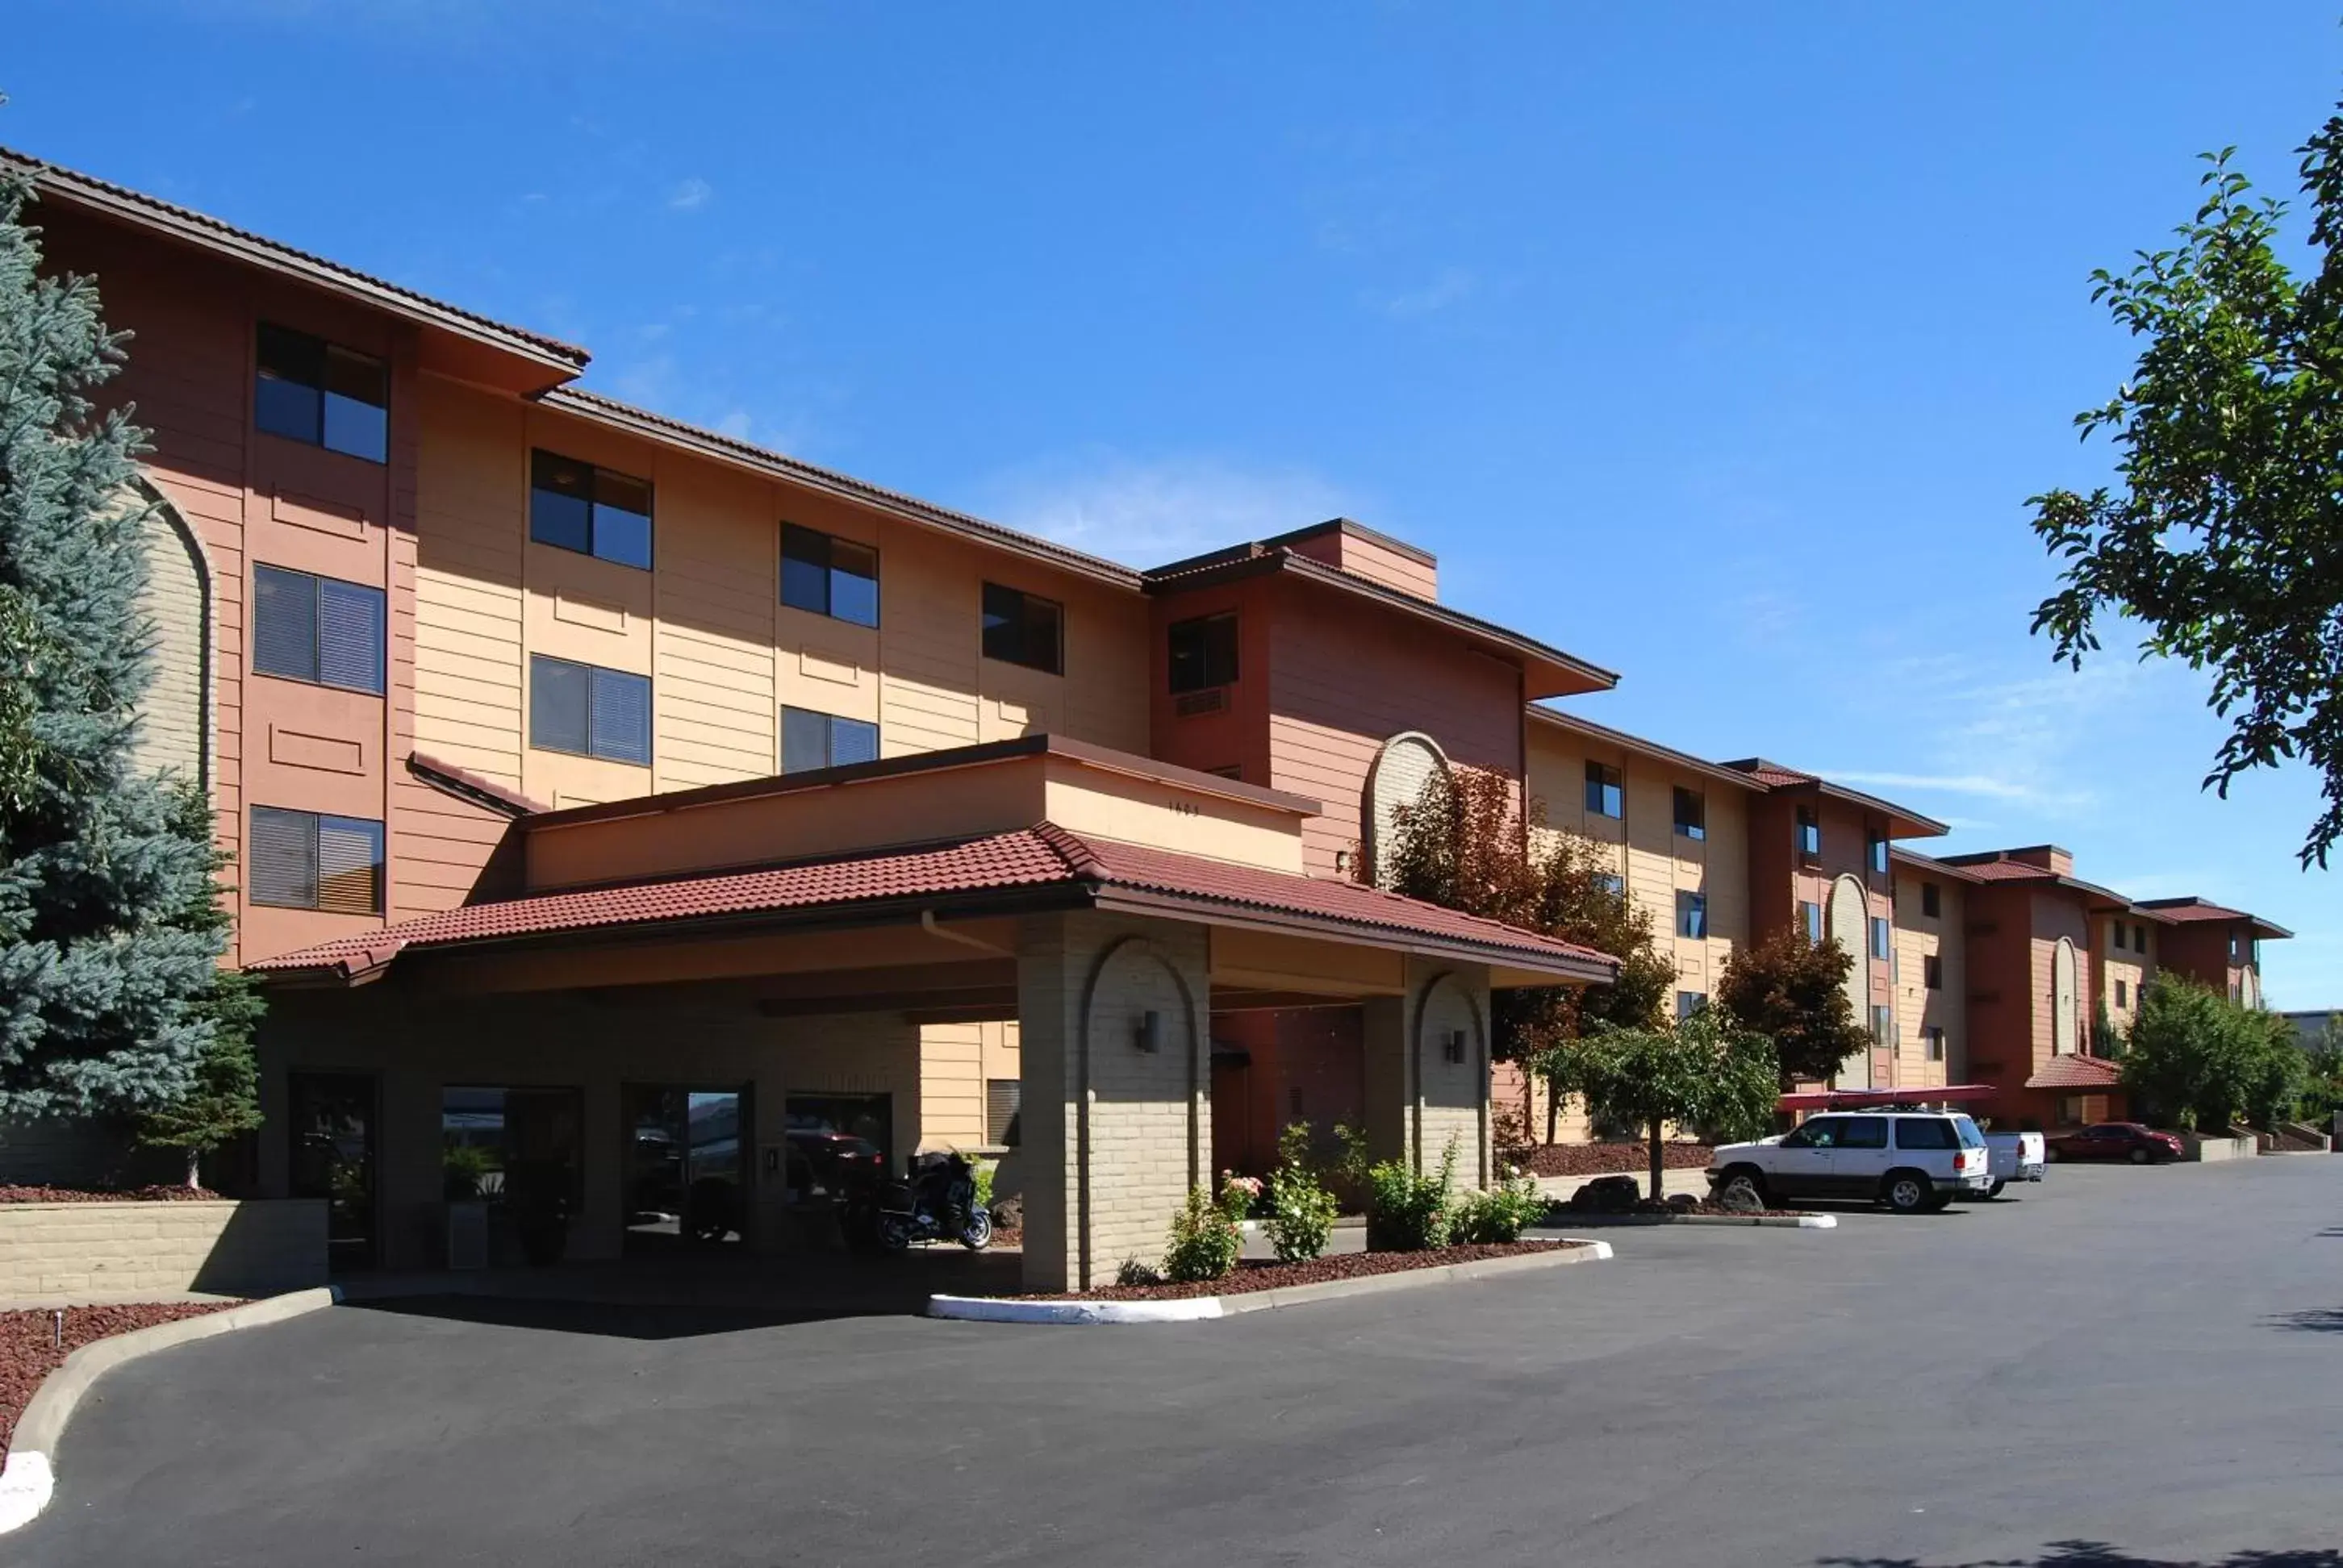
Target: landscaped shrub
[
  {"x": 1501, "y": 1213},
  {"x": 1205, "y": 1239},
  {"x": 1134, "y": 1273},
  {"x": 1300, "y": 1211},
  {"x": 1407, "y": 1210}
]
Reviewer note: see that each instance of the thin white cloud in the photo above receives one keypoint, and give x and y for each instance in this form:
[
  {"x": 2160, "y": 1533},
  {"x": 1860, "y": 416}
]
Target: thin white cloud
[
  {"x": 1453, "y": 287},
  {"x": 1951, "y": 783},
  {"x": 1148, "y": 512},
  {"x": 691, "y": 196}
]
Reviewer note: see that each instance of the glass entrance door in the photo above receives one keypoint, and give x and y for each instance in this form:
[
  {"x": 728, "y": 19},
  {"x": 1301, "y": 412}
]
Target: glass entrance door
[
  {"x": 333, "y": 1136},
  {"x": 685, "y": 1177}
]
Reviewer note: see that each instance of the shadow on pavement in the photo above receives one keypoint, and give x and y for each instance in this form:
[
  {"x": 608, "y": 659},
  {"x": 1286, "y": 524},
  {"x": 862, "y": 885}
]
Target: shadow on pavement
[
  {"x": 680, "y": 1299},
  {"x": 2098, "y": 1554},
  {"x": 2317, "y": 1321}
]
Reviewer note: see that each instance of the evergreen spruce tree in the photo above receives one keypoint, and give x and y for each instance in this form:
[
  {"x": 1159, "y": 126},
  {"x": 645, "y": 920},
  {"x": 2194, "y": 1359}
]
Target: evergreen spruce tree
[{"x": 107, "y": 939}]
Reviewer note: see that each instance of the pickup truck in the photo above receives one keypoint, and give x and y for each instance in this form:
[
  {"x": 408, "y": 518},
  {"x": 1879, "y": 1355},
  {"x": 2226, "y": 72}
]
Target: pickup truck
[{"x": 2015, "y": 1157}]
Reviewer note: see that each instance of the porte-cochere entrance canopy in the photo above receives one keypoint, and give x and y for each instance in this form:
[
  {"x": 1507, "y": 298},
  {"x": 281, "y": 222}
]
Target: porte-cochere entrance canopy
[{"x": 818, "y": 931}]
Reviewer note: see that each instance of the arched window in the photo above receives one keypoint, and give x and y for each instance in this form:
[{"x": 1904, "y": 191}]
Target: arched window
[
  {"x": 1402, "y": 769},
  {"x": 175, "y": 717}
]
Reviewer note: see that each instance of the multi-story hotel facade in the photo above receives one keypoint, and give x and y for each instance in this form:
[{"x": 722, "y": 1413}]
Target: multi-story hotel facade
[{"x": 639, "y": 810}]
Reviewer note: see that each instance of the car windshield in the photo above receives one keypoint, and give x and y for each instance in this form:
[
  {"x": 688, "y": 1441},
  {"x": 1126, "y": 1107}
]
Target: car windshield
[{"x": 1967, "y": 1132}]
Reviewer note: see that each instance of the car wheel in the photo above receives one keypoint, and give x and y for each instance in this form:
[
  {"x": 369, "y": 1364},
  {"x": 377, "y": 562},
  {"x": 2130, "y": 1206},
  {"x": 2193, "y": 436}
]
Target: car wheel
[
  {"x": 2139, "y": 1156},
  {"x": 1995, "y": 1191},
  {"x": 894, "y": 1233},
  {"x": 978, "y": 1235},
  {"x": 2051, "y": 1156},
  {"x": 1750, "y": 1182},
  {"x": 1906, "y": 1191}
]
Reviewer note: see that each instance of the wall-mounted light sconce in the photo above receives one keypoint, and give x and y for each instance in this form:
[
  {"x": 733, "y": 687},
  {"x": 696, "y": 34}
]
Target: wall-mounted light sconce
[
  {"x": 1452, "y": 1045},
  {"x": 1149, "y": 1034}
]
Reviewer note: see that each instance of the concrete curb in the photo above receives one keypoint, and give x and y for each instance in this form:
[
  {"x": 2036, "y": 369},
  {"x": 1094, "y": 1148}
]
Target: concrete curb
[
  {"x": 1201, "y": 1309},
  {"x": 29, "y": 1479},
  {"x": 1776, "y": 1222}
]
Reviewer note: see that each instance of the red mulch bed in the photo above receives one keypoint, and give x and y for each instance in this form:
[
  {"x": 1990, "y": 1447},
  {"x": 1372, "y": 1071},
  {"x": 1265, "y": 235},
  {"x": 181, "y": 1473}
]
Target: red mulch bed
[
  {"x": 28, "y": 1351},
  {"x": 1606, "y": 1159},
  {"x": 177, "y": 1194},
  {"x": 1260, "y": 1274}
]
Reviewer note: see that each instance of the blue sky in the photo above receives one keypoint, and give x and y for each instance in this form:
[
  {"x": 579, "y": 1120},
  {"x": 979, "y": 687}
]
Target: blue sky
[{"x": 1720, "y": 345}]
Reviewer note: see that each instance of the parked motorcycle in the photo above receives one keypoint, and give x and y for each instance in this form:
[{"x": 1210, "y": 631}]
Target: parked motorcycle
[{"x": 938, "y": 1203}]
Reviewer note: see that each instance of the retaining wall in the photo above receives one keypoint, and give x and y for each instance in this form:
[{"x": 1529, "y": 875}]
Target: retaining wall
[{"x": 142, "y": 1250}]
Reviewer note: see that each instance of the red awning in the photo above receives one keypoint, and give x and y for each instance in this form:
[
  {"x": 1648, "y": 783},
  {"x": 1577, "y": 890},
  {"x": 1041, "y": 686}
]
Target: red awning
[{"x": 1856, "y": 1099}]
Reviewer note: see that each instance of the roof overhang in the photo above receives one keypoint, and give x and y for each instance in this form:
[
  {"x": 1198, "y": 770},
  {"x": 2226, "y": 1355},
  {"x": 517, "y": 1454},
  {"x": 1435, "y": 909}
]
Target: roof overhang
[
  {"x": 675, "y": 434},
  {"x": 1545, "y": 671},
  {"x": 455, "y": 342},
  {"x": 1571, "y": 723}
]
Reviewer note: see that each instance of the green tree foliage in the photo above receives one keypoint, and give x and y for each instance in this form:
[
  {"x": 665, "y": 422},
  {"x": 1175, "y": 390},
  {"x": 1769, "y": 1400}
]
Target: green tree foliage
[
  {"x": 2322, "y": 1076},
  {"x": 223, "y": 1097},
  {"x": 1462, "y": 844},
  {"x": 2223, "y": 537},
  {"x": 105, "y": 977},
  {"x": 1710, "y": 1071},
  {"x": 1793, "y": 992},
  {"x": 2197, "y": 1058}
]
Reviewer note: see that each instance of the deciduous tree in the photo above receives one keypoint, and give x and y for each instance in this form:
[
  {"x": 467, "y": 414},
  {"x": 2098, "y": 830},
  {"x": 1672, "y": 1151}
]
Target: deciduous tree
[
  {"x": 2223, "y": 536},
  {"x": 1709, "y": 1071},
  {"x": 1793, "y": 992}
]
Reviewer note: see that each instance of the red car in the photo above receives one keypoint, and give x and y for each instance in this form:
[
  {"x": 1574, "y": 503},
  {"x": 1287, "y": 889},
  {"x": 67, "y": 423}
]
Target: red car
[{"x": 2114, "y": 1141}]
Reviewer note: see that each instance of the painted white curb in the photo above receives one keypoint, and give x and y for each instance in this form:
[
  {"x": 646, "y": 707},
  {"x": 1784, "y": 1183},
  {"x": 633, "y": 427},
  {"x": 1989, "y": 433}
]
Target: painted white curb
[
  {"x": 994, "y": 1310},
  {"x": 1778, "y": 1221},
  {"x": 1200, "y": 1308},
  {"x": 29, "y": 1479}
]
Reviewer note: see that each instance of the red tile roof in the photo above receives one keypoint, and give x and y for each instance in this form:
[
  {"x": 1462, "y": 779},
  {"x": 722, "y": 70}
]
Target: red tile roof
[
  {"x": 2076, "y": 1072},
  {"x": 2188, "y": 909},
  {"x": 1772, "y": 775},
  {"x": 1041, "y": 857}
]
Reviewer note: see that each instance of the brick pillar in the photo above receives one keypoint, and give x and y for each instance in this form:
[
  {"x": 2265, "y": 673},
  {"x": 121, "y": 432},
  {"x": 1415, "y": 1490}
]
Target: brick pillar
[
  {"x": 1112, "y": 1135},
  {"x": 1417, "y": 1098}
]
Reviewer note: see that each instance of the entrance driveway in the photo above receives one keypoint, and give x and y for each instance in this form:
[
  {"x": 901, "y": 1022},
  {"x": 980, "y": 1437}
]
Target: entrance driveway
[{"x": 2150, "y": 1359}]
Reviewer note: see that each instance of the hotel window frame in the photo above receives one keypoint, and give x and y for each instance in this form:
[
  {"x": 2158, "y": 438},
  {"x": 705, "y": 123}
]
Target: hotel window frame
[
  {"x": 277, "y": 354},
  {"x": 1883, "y": 938},
  {"x": 818, "y": 553},
  {"x": 329, "y": 603},
  {"x": 1007, "y": 626},
  {"x": 1932, "y": 972},
  {"x": 1692, "y": 914},
  {"x": 1607, "y": 791},
  {"x": 542, "y": 525},
  {"x": 1932, "y": 901},
  {"x": 830, "y": 723},
  {"x": 1691, "y": 824},
  {"x": 1212, "y": 659},
  {"x": 324, "y": 841},
  {"x": 1807, "y": 835},
  {"x": 599, "y": 680}
]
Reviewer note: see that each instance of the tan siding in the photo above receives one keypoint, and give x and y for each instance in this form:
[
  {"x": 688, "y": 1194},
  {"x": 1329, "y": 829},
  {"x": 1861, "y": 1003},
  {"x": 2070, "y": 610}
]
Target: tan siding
[
  {"x": 173, "y": 712},
  {"x": 470, "y": 523}
]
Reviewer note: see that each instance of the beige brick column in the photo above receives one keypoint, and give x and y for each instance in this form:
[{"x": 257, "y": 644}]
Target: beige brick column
[
  {"x": 1113, "y": 1133},
  {"x": 1417, "y": 1098}
]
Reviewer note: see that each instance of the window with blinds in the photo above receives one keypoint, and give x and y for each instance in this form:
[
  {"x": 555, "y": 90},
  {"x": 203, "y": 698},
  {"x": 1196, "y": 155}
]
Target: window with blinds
[
  {"x": 318, "y": 629},
  {"x": 308, "y": 860},
  {"x": 588, "y": 710},
  {"x": 1003, "y": 1098},
  {"x": 811, "y": 739}
]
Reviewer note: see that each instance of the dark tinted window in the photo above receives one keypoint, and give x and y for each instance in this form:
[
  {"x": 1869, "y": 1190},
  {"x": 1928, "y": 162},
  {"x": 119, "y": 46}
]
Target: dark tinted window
[
  {"x": 1810, "y": 833},
  {"x": 1203, "y": 652},
  {"x": 1931, "y": 900},
  {"x": 830, "y": 575},
  {"x": 315, "y": 629},
  {"x": 304, "y": 860},
  {"x": 1924, "y": 1133},
  {"x": 1864, "y": 1133},
  {"x": 1020, "y": 629},
  {"x": 1692, "y": 914},
  {"x": 1932, "y": 972},
  {"x": 1604, "y": 795},
  {"x": 307, "y": 389},
  {"x": 590, "y": 710},
  {"x": 1879, "y": 856},
  {"x": 811, "y": 740},
  {"x": 595, "y": 511},
  {"x": 1689, "y": 1002},
  {"x": 1692, "y": 814}
]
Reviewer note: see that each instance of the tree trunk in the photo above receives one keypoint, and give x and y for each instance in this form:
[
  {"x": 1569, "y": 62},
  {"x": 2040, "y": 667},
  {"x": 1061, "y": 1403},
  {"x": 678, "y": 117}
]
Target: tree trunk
[
  {"x": 1659, "y": 1163},
  {"x": 194, "y": 1168},
  {"x": 1552, "y": 1109}
]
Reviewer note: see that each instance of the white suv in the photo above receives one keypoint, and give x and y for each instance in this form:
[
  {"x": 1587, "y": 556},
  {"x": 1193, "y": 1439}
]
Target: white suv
[{"x": 1911, "y": 1160}]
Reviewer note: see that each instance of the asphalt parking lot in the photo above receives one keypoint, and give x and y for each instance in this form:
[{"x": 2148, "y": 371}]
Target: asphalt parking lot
[{"x": 2120, "y": 1368}]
